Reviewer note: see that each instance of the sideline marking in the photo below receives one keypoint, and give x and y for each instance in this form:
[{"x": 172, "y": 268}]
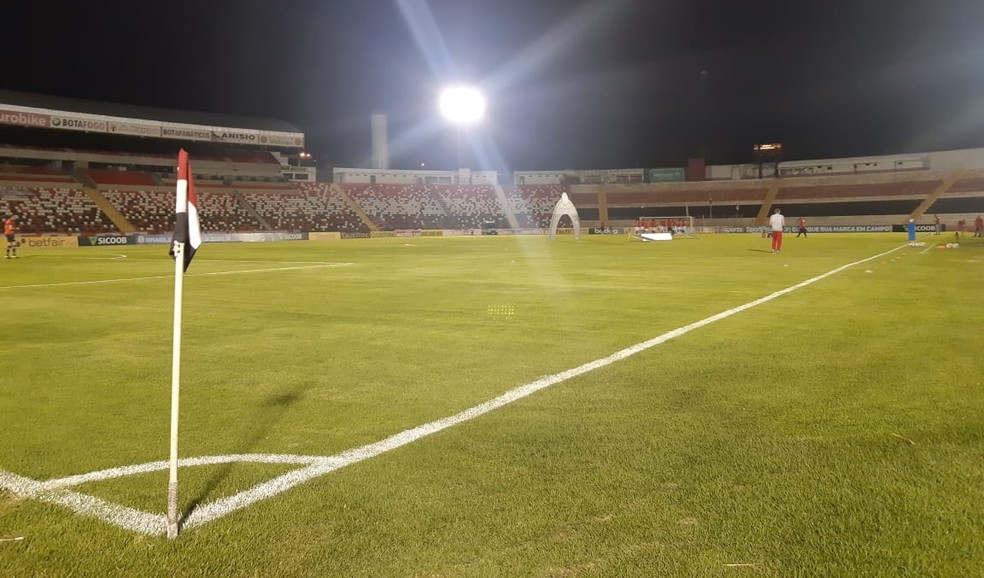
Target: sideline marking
[
  {"x": 55, "y": 491},
  {"x": 151, "y": 277}
]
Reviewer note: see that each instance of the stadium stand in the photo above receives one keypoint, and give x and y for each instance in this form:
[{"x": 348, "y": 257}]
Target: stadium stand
[
  {"x": 393, "y": 207},
  {"x": 470, "y": 207},
  {"x": 972, "y": 185},
  {"x": 76, "y": 191},
  {"x": 676, "y": 195},
  {"x": 246, "y": 206},
  {"x": 221, "y": 211},
  {"x": 34, "y": 176},
  {"x": 55, "y": 210},
  {"x": 533, "y": 204},
  {"x": 903, "y": 189},
  {"x": 150, "y": 211},
  {"x": 340, "y": 216},
  {"x": 308, "y": 207},
  {"x": 109, "y": 177}
]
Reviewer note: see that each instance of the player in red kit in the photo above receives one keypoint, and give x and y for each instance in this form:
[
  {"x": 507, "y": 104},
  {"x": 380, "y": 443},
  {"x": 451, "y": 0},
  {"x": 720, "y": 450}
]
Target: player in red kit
[{"x": 10, "y": 230}]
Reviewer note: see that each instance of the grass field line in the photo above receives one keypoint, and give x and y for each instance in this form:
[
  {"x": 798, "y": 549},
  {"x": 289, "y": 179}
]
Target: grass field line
[
  {"x": 54, "y": 491},
  {"x": 116, "y": 514},
  {"x": 151, "y": 467},
  {"x": 197, "y": 260},
  {"x": 152, "y": 277}
]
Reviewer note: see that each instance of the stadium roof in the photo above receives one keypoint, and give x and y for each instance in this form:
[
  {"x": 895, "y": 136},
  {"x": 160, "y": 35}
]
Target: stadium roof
[{"x": 142, "y": 112}]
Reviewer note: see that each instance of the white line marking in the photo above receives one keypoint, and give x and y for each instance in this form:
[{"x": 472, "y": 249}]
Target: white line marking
[
  {"x": 152, "y": 277},
  {"x": 163, "y": 465},
  {"x": 53, "y": 491},
  {"x": 297, "y": 268},
  {"x": 257, "y": 261},
  {"x": 122, "y": 516}
]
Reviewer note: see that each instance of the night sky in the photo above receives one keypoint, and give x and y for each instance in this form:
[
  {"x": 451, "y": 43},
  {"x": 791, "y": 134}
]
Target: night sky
[{"x": 571, "y": 84}]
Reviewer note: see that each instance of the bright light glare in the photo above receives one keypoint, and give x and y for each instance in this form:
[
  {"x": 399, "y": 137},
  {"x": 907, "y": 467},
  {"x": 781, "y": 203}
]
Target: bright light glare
[{"x": 462, "y": 105}]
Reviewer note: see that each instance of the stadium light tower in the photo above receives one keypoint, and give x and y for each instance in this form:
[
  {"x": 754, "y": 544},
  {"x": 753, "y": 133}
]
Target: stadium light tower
[{"x": 462, "y": 106}]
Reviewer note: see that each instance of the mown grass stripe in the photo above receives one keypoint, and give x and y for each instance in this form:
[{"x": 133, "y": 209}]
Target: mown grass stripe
[{"x": 53, "y": 491}]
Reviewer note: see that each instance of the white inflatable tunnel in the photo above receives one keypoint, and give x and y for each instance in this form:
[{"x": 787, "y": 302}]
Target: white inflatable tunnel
[{"x": 565, "y": 207}]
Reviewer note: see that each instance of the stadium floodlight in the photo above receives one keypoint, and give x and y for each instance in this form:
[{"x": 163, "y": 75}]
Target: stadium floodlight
[{"x": 462, "y": 105}]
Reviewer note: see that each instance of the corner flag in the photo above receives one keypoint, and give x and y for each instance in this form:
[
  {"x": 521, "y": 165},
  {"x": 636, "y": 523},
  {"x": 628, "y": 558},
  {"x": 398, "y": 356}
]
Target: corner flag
[
  {"x": 186, "y": 240},
  {"x": 186, "y": 227}
]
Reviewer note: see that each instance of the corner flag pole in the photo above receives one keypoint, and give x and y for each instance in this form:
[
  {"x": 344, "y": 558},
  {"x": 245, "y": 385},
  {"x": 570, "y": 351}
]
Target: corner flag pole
[
  {"x": 187, "y": 238},
  {"x": 172, "y": 484}
]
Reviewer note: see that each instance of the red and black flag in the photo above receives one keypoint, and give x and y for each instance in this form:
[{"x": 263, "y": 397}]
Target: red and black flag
[{"x": 187, "y": 229}]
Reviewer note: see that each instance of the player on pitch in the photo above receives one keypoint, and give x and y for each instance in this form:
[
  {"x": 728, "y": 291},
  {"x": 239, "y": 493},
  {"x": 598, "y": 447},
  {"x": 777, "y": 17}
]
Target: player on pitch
[
  {"x": 777, "y": 222},
  {"x": 10, "y": 230}
]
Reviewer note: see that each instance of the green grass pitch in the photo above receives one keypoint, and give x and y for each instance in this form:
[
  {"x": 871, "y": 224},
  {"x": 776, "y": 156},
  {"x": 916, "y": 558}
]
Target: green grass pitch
[{"x": 834, "y": 430}]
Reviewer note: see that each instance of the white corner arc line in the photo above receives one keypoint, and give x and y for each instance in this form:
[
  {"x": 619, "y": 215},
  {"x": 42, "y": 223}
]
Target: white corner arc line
[{"x": 53, "y": 491}]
